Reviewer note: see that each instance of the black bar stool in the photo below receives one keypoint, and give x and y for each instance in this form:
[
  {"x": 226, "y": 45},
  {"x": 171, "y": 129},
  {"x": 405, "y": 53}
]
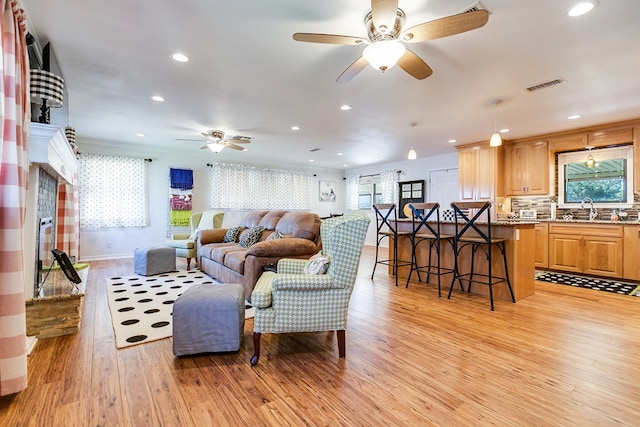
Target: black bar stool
[
  {"x": 385, "y": 213},
  {"x": 428, "y": 230},
  {"x": 468, "y": 233}
]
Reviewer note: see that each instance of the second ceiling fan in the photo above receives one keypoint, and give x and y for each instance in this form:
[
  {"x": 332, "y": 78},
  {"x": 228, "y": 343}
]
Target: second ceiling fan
[{"x": 385, "y": 45}]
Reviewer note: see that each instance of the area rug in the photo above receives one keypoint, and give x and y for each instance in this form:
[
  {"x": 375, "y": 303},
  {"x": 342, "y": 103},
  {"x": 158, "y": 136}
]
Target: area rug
[
  {"x": 598, "y": 284},
  {"x": 141, "y": 306}
]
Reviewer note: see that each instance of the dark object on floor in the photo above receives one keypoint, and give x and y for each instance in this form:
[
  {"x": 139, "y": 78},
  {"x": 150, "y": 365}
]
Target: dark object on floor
[{"x": 598, "y": 284}]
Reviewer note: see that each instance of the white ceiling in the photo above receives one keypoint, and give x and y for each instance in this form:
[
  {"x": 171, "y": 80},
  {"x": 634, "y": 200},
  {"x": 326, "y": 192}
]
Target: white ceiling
[{"x": 247, "y": 76}]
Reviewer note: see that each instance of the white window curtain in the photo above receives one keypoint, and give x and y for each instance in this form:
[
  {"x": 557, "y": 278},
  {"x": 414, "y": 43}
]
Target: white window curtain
[
  {"x": 243, "y": 187},
  {"x": 113, "y": 191},
  {"x": 353, "y": 182},
  {"x": 389, "y": 184}
]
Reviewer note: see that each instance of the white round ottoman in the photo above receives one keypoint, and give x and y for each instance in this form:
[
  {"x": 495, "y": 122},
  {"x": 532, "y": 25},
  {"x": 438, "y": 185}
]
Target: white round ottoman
[{"x": 208, "y": 318}]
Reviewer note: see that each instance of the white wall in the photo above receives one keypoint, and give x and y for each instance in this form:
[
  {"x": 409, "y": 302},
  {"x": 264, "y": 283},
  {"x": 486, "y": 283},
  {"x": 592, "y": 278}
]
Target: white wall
[
  {"x": 411, "y": 170},
  {"x": 120, "y": 243}
]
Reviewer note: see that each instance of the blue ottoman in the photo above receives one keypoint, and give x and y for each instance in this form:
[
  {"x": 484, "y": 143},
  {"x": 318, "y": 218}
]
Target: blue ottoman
[
  {"x": 208, "y": 318},
  {"x": 154, "y": 260}
]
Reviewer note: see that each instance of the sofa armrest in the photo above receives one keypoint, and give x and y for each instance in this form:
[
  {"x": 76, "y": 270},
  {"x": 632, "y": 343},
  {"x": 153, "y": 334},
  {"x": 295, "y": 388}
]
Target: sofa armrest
[
  {"x": 215, "y": 235},
  {"x": 283, "y": 248}
]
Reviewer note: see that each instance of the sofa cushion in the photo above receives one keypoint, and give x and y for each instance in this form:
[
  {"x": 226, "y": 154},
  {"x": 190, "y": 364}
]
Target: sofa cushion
[
  {"x": 252, "y": 218},
  {"x": 300, "y": 224},
  {"x": 218, "y": 252},
  {"x": 251, "y": 237},
  {"x": 231, "y": 236},
  {"x": 235, "y": 260},
  {"x": 271, "y": 219}
]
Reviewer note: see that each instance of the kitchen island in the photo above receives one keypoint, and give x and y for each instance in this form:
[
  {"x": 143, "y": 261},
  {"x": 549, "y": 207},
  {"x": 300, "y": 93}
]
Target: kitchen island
[{"x": 520, "y": 244}]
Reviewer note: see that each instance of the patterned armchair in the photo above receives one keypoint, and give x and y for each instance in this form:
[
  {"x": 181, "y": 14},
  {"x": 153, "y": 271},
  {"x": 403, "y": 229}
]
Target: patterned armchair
[
  {"x": 185, "y": 243},
  {"x": 291, "y": 301}
]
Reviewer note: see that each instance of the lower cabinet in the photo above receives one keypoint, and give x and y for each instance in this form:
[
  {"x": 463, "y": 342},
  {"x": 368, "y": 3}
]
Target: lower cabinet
[
  {"x": 542, "y": 245},
  {"x": 591, "y": 249},
  {"x": 631, "y": 267}
]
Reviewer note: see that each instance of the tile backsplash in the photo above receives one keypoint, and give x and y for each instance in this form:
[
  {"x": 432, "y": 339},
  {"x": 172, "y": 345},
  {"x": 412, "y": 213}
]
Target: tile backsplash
[{"x": 542, "y": 205}]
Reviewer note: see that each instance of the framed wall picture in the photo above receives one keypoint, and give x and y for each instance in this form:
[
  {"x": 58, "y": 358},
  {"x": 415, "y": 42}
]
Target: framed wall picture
[{"x": 327, "y": 191}]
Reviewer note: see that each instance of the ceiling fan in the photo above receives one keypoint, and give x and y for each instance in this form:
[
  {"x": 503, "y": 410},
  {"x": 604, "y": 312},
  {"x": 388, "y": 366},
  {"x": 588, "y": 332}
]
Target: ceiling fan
[
  {"x": 384, "y": 48},
  {"x": 216, "y": 141}
]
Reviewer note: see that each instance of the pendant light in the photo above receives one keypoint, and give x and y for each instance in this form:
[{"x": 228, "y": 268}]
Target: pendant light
[
  {"x": 496, "y": 139},
  {"x": 590, "y": 161},
  {"x": 412, "y": 153}
]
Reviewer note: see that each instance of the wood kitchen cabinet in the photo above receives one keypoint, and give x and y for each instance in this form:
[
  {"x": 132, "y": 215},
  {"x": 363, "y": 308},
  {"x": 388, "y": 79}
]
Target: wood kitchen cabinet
[
  {"x": 631, "y": 266},
  {"x": 478, "y": 172},
  {"x": 527, "y": 168},
  {"x": 586, "y": 248},
  {"x": 542, "y": 245}
]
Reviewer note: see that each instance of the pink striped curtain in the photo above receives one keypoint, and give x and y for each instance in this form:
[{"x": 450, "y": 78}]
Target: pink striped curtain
[
  {"x": 14, "y": 171},
  {"x": 68, "y": 218}
]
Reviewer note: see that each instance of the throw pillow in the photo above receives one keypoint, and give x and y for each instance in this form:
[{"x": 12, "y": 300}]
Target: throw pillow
[
  {"x": 275, "y": 235},
  {"x": 251, "y": 237},
  {"x": 317, "y": 264},
  {"x": 231, "y": 236}
]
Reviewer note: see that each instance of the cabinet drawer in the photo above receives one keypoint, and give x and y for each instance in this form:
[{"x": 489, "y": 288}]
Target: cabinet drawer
[{"x": 586, "y": 230}]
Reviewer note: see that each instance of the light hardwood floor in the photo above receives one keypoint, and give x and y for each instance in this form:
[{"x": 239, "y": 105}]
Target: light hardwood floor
[{"x": 563, "y": 357}]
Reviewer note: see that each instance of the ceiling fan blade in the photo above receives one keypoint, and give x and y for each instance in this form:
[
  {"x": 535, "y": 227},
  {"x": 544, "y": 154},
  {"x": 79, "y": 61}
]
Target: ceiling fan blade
[
  {"x": 188, "y": 139},
  {"x": 238, "y": 139},
  {"x": 353, "y": 69},
  {"x": 384, "y": 13},
  {"x": 447, "y": 26},
  {"x": 414, "y": 65},
  {"x": 235, "y": 147},
  {"x": 329, "y": 38}
]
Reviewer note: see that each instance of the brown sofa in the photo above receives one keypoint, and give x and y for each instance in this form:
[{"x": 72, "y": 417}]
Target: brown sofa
[{"x": 233, "y": 263}]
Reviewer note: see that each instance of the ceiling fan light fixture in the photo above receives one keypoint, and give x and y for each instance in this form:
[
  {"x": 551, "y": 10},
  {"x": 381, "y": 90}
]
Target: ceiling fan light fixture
[
  {"x": 216, "y": 147},
  {"x": 384, "y": 54}
]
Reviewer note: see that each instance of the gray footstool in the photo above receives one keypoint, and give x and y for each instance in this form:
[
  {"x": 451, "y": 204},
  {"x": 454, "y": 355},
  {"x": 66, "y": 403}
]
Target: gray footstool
[
  {"x": 154, "y": 260},
  {"x": 208, "y": 318}
]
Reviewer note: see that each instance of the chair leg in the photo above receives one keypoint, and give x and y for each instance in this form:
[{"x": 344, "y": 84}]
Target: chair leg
[
  {"x": 341, "y": 342},
  {"x": 256, "y": 349},
  {"x": 188, "y": 263},
  {"x": 506, "y": 271}
]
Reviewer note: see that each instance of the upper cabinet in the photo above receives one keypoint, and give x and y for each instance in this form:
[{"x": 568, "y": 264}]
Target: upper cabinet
[
  {"x": 478, "y": 172},
  {"x": 527, "y": 167}
]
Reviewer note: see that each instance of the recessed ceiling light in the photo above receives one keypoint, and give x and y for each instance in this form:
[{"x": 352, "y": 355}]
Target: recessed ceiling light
[
  {"x": 345, "y": 165},
  {"x": 345, "y": 107},
  {"x": 295, "y": 127},
  {"x": 157, "y": 98},
  {"x": 339, "y": 154},
  {"x": 504, "y": 130},
  {"x": 451, "y": 141},
  {"x": 311, "y": 160},
  {"x": 575, "y": 116},
  {"x": 582, "y": 7},
  {"x": 180, "y": 57},
  {"x": 140, "y": 134}
]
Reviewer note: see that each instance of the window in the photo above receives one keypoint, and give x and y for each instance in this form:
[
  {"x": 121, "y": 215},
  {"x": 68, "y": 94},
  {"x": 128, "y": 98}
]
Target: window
[
  {"x": 112, "y": 191},
  {"x": 369, "y": 192},
  {"x": 604, "y": 176}
]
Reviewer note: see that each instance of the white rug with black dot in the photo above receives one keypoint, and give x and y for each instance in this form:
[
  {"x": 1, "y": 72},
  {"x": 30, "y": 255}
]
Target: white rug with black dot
[
  {"x": 595, "y": 283},
  {"x": 141, "y": 306}
]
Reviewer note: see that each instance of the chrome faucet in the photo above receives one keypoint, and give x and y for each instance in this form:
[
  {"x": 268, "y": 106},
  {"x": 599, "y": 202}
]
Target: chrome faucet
[{"x": 593, "y": 212}]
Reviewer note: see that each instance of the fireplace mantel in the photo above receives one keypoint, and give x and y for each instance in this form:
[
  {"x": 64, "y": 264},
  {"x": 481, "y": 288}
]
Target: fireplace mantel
[{"x": 48, "y": 147}]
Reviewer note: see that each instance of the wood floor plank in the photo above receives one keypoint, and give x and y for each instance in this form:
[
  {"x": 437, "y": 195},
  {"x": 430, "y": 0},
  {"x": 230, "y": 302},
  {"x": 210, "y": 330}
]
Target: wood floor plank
[{"x": 564, "y": 356}]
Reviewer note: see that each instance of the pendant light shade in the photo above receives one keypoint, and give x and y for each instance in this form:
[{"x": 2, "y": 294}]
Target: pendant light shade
[
  {"x": 412, "y": 154},
  {"x": 496, "y": 139}
]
